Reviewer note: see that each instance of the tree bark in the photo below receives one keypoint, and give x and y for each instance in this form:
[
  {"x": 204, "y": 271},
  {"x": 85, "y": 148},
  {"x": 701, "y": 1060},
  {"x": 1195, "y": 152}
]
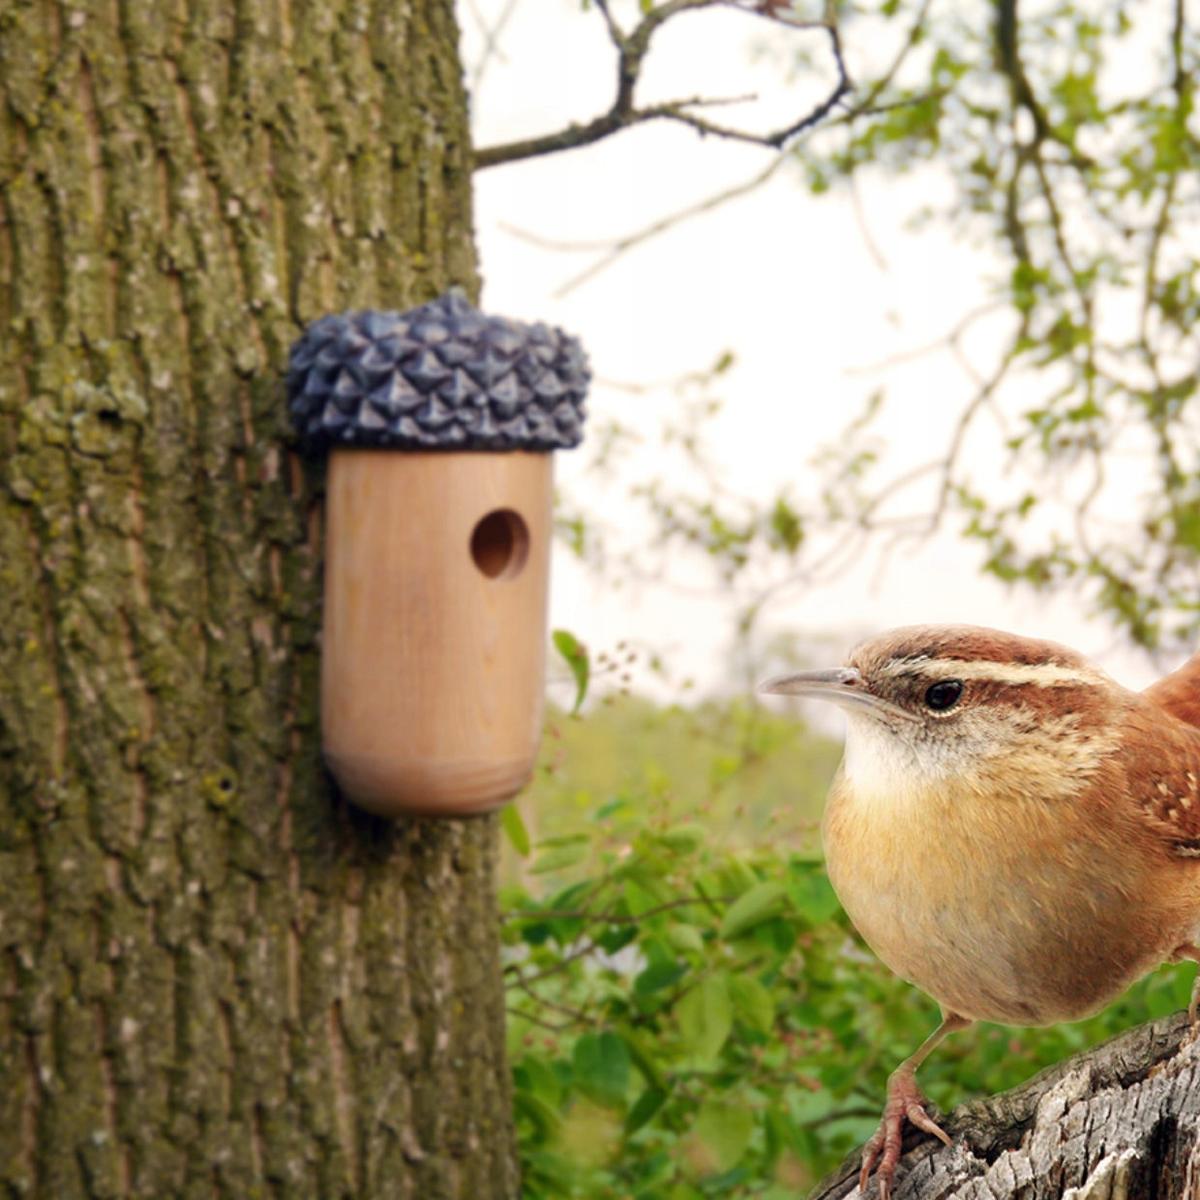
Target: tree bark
[
  {"x": 1119, "y": 1121},
  {"x": 216, "y": 979}
]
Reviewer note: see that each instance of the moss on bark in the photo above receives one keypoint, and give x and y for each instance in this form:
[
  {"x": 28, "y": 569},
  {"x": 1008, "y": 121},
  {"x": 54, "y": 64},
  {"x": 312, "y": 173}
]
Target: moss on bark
[{"x": 217, "y": 979}]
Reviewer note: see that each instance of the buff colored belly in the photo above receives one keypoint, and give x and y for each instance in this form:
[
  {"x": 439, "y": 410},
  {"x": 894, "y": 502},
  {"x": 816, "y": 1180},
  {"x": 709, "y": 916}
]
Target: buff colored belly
[{"x": 998, "y": 940}]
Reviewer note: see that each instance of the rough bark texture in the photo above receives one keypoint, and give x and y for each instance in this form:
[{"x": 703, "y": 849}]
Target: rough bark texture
[
  {"x": 215, "y": 979},
  {"x": 1120, "y": 1122}
]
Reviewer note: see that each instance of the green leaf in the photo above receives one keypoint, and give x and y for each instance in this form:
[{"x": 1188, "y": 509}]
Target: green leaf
[
  {"x": 659, "y": 975},
  {"x": 778, "y": 934},
  {"x": 787, "y": 528},
  {"x": 612, "y": 807},
  {"x": 808, "y": 1107},
  {"x": 725, "y": 1130},
  {"x": 534, "y": 1076},
  {"x": 647, "y": 1104},
  {"x": 735, "y": 878},
  {"x": 616, "y": 937},
  {"x": 683, "y": 838},
  {"x": 514, "y": 830},
  {"x": 759, "y": 904},
  {"x": 637, "y": 899},
  {"x": 557, "y": 858},
  {"x": 563, "y": 839},
  {"x": 544, "y": 1118},
  {"x": 535, "y": 933},
  {"x": 752, "y": 1003},
  {"x": 686, "y": 938},
  {"x": 575, "y": 654},
  {"x": 706, "y": 1017},
  {"x": 601, "y": 1066},
  {"x": 813, "y": 895}
]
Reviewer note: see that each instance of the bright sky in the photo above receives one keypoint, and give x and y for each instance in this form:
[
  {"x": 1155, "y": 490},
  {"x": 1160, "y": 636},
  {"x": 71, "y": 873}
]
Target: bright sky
[{"x": 786, "y": 281}]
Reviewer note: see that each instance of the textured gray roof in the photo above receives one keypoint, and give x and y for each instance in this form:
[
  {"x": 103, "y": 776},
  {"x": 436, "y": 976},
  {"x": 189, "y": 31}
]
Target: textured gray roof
[{"x": 442, "y": 376}]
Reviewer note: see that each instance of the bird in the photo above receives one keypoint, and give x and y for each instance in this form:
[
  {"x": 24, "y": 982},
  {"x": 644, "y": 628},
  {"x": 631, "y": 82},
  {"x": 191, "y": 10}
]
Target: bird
[{"x": 1010, "y": 830}]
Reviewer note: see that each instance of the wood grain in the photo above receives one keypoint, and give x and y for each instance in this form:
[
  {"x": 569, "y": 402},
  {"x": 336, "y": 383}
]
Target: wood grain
[{"x": 433, "y": 663}]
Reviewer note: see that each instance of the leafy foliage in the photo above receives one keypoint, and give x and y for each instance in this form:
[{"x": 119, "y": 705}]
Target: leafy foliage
[
  {"x": 1062, "y": 141},
  {"x": 691, "y": 1015},
  {"x": 1067, "y": 135}
]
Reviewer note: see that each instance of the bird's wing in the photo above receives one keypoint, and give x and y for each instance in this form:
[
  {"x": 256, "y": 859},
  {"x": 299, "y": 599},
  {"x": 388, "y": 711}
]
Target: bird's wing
[
  {"x": 1161, "y": 766},
  {"x": 1179, "y": 692}
]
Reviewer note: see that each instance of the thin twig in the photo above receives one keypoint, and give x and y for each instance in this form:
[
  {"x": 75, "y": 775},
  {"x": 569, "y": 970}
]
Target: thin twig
[
  {"x": 566, "y": 1010},
  {"x": 491, "y": 40},
  {"x": 615, "y": 33},
  {"x": 944, "y": 342},
  {"x": 541, "y": 1022},
  {"x": 860, "y": 218},
  {"x": 563, "y": 963},
  {"x": 623, "y": 245},
  {"x": 632, "y": 49}
]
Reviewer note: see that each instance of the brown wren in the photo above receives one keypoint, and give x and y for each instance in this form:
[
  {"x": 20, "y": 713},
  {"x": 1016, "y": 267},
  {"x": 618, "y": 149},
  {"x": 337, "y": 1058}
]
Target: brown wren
[{"x": 1010, "y": 830}]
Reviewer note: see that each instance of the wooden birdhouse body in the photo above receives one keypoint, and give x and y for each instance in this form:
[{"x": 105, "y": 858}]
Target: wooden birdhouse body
[{"x": 436, "y": 582}]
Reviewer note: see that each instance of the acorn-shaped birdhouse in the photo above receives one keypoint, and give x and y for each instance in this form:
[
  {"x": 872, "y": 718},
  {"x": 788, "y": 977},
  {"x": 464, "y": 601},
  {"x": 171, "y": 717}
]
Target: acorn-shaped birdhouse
[{"x": 439, "y": 425}]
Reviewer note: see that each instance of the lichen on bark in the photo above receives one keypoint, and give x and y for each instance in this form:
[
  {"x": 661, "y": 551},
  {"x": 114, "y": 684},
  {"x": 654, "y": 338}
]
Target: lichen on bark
[{"x": 217, "y": 979}]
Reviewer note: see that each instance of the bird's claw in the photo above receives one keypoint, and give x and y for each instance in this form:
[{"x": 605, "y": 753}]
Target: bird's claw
[{"x": 904, "y": 1102}]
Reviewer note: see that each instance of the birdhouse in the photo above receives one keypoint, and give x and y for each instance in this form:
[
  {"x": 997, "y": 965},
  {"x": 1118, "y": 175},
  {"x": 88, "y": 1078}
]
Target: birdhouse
[{"x": 439, "y": 425}]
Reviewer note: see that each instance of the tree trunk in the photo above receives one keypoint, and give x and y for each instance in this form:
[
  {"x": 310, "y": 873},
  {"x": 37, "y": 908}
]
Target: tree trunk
[
  {"x": 216, "y": 979},
  {"x": 1119, "y": 1121}
]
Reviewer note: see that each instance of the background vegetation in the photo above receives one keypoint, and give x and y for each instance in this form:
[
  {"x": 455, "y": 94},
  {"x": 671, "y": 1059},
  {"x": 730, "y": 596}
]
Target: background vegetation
[{"x": 690, "y": 1013}]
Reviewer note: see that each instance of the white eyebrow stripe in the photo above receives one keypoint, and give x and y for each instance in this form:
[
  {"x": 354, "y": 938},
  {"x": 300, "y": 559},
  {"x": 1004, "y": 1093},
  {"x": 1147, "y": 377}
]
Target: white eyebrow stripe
[{"x": 1037, "y": 674}]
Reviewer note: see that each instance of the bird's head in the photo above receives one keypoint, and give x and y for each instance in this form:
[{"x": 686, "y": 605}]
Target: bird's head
[{"x": 927, "y": 704}]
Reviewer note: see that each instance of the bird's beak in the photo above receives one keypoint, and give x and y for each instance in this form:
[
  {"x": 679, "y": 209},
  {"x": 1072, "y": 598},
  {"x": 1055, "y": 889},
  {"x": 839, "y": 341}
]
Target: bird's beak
[{"x": 843, "y": 686}]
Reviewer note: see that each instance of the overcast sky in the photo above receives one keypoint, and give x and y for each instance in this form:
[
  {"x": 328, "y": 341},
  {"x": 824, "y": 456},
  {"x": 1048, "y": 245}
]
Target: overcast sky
[{"x": 786, "y": 281}]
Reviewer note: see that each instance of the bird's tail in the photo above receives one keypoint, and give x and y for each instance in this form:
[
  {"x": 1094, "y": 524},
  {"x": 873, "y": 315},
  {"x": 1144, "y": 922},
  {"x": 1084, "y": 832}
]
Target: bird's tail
[{"x": 1179, "y": 692}]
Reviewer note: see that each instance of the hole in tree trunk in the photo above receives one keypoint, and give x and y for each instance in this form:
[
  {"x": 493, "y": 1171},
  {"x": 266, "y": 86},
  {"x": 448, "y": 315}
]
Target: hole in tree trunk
[{"x": 500, "y": 544}]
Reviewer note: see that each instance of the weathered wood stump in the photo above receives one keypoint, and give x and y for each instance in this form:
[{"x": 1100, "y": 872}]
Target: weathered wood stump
[{"x": 1118, "y": 1122}]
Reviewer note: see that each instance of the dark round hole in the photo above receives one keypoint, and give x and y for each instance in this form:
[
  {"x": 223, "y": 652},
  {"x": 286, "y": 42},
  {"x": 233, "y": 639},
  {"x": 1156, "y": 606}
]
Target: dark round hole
[{"x": 500, "y": 544}]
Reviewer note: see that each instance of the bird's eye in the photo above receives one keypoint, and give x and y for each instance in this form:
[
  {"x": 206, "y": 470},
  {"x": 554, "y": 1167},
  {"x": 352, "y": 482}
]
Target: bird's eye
[{"x": 943, "y": 694}]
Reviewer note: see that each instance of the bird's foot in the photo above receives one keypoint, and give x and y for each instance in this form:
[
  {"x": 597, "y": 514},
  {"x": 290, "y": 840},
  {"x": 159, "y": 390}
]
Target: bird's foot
[{"x": 882, "y": 1152}]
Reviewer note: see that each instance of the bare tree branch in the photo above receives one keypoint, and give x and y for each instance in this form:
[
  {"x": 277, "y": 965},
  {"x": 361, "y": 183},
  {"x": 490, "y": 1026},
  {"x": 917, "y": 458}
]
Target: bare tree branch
[
  {"x": 632, "y": 49},
  {"x": 616, "y": 248}
]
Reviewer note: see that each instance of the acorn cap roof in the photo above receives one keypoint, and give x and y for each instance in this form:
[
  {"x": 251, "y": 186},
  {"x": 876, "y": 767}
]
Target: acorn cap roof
[{"x": 442, "y": 376}]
